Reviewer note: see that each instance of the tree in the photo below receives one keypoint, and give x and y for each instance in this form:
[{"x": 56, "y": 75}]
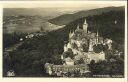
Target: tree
[
  {"x": 105, "y": 47},
  {"x": 85, "y": 48},
  {"x": 68, "y": 53},
  {"x": 81, "y": 61},
  {"x": 92, "y": 66},
  {"x": 98, "y": 48}
]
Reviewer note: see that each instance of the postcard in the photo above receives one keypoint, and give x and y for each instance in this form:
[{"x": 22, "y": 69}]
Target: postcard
[{"x": 64, "y": 41}]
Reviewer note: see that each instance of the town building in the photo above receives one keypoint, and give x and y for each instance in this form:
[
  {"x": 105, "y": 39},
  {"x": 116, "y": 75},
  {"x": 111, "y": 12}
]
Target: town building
[{"x": 62, "y": 70}]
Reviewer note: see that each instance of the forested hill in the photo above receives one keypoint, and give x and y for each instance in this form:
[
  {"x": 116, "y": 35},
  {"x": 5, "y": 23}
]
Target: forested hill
[{"x": 68, "y": 18}]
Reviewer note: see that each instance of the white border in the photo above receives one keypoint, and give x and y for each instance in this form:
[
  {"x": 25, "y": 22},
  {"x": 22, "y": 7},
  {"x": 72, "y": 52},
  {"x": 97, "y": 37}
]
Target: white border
[
  {"x": 34, "y": 4},
  {"x": 1, "y": 17}
]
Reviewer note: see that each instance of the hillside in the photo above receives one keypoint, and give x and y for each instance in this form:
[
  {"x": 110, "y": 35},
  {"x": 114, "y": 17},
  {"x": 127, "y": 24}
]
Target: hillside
[
  {"x": 68, "y": 18},
  {"x": 26, "y": 23}
]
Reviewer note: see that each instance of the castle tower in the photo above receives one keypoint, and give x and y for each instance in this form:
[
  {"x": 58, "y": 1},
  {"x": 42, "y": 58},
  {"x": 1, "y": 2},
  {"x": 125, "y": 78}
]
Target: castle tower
[
  {"x": 65, "y": 47},
  {"x": 85, "y": 26},
  {"x": 97, "y": 35},
  {"x": 90, "y": 46},
  {"x": 70, "y": 34}
]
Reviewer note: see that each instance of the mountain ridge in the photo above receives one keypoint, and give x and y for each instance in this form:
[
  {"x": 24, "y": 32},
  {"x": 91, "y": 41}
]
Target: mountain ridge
[{"x": 68, "y": 18}]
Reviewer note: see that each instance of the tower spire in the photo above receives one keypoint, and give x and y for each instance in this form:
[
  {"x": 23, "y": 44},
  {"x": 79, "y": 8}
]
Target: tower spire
[{"x": 85, "y": 22}]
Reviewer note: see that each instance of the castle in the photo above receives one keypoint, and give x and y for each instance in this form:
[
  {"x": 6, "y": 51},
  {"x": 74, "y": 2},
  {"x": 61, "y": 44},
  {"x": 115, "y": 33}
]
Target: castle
[
  {"x": 81, "y": 38},
  {"x": 82, "y": 44}
]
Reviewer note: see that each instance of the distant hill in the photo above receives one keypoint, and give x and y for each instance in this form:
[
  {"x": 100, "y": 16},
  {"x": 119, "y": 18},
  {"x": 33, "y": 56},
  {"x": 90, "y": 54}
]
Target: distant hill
[
  {"x": 21, "y": 23},
  {"x": 67, "y": 18}
]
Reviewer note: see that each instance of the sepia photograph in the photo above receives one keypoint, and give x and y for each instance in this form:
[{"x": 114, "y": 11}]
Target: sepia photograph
[{"x": 86, "y": 41}]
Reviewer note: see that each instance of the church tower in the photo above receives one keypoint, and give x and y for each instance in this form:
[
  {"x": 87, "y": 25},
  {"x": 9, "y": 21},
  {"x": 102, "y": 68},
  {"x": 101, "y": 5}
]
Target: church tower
[{"x": 85, "y": 26}]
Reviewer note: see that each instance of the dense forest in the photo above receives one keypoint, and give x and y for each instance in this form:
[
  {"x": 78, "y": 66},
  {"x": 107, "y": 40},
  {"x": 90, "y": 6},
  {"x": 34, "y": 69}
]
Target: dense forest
[{"x": 30, "y": 57}]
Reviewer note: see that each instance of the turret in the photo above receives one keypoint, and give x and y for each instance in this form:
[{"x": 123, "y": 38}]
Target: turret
[
  {"x": 71, "y": 34},
  {"x": 78, "y": 27}
]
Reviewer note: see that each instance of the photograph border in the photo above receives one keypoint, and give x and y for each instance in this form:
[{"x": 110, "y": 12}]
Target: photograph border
[{"x": 29, "y": 4}]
